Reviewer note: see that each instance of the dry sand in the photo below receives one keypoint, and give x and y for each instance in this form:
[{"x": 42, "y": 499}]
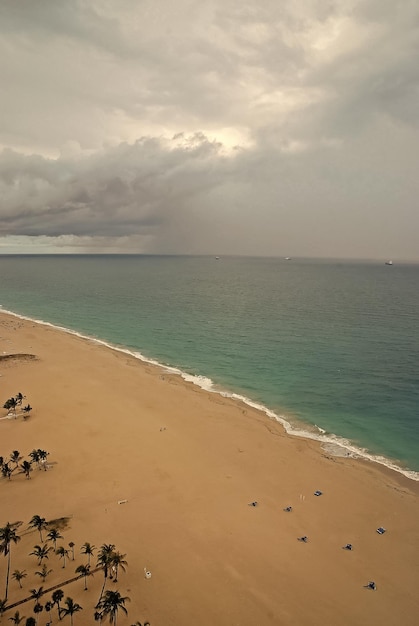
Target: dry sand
[{"x": 188, "y": 463}]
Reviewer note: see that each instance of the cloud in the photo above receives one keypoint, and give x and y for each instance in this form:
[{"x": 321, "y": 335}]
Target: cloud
[
  {"x": 249, "y": 128},
  {"x": 131, "y": 190}
]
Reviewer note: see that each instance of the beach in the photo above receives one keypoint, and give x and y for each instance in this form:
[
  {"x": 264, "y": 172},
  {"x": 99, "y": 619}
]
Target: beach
[{"x": 166, "y": 471}]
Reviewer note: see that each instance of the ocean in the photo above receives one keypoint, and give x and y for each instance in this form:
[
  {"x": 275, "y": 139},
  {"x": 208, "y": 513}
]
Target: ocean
[{"x": 330, "y": 348}]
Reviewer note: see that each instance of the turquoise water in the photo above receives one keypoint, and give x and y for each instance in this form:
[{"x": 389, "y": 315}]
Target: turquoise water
[{"x": 326, "y": 343}]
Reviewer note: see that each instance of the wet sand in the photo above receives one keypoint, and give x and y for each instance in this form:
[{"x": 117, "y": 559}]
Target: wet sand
[{"x": 188, "y": 463}]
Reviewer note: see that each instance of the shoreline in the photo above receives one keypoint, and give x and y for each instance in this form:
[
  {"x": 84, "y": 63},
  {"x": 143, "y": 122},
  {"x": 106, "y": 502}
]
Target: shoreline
[
  {"x": 166, "y": 471},
  {"x": 331, "y": 443}
]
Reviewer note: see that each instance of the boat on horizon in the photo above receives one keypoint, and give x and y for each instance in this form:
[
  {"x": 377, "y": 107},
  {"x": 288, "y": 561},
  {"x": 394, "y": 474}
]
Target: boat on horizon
[{"x": 389, "y": 262}]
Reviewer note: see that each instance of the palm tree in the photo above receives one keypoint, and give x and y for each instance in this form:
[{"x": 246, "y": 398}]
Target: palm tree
[
  {"x": 57, "y": 596},
  {"x": 43, "y": 458},
  {"x": 26, "y": 410},
  {"x": 53, "y": 535},
  {"x": 44, "y": 572},
  {"x": 117, "y": 560},
  {"x": 3, "y": 606},
  {"x": 38, "y": 608},
  {"x": 48, "y": 608},
  {"x": 88, "y": 549},
  {"x": 7, "y": 536},
  {"x": 71, "y": 546},
  {"x": 19, "y": 397},
  {"x": 34, "y": 456},
  {"x": 41, "y": 552},
  {"x": 19, "y": 575},
  {"x": 10, "y": 405},
  {"x": 84, "y": 570},
  {"x": 15, "y": 457},
  {"x": 110, "y": 604},
  {"x": 16, "y": 619},
  {"x": 72, "y": 607},
  {"x": 38, "y": 522},
  {"x": 27, "y": 468},
  {"x": 6, "y": 470},
  {"x": 36, "y": 594},
  {"x": 62, "y": 553},
  {"x": 104, "y": 560}
]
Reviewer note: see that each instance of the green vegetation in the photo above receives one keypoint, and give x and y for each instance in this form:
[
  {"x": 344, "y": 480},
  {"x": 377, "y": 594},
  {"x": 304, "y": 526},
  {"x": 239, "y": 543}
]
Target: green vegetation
[
  {"x": 43, "y": 572},
  {"x": 8, "y": 535},
  {"x": 53, "y": 535},
  {"x": 70, "y": 608},
  {"x": 84, "y": 570},
  {"x": 88, "y": 548},
  {"x": 12, "y": 403},
  {"x": 109, "y": 560},
  {"x": 13, "y": 465},
  {"x": 38, "y": 522},
  {"x": 110, "y": 604},
  {"x": 19, "y": 575},
  {"x": 41, "y": 552},
  {"x": 62, "y": 553},
  {"x": 17, "y": 618}
]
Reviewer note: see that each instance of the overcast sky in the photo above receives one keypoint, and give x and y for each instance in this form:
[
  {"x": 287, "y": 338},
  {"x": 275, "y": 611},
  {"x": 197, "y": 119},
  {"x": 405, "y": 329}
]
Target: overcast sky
[{"x": 221, "y": 127}]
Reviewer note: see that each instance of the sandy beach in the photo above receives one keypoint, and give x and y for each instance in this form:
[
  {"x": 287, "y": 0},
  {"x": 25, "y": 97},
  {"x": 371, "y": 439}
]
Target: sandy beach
[{"x": 166, "y": 471}]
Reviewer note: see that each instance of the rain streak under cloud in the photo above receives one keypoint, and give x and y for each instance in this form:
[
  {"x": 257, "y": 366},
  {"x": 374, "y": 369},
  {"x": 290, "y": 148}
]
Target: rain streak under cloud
[{"x": 254, "y": 128}]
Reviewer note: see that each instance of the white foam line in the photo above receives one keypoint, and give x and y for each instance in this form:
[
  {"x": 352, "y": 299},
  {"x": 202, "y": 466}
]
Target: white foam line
[{"x": 207, "y": 384}]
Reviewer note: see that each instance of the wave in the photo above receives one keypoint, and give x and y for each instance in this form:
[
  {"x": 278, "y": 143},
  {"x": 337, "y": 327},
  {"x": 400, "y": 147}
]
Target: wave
[{"x": 331, "y": 443}]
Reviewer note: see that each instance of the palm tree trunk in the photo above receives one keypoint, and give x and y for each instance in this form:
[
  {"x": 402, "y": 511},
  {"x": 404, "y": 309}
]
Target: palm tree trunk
[
  {"x": 8, "y": 573},
  {"x": 102, "y": 590},
  {"x": 104, "y": 583}
]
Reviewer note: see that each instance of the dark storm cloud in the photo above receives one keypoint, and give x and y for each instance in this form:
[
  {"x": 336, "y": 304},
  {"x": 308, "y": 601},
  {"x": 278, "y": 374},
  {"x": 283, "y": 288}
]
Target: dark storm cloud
[
  {"x": 129, "y": 190},
  {"x": 295, "y": 125},
  {"x": 161, "y": 198}
]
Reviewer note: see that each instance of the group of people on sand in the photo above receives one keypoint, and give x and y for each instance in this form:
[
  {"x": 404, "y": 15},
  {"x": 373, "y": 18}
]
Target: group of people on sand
[{"x": 304, "y": 539}]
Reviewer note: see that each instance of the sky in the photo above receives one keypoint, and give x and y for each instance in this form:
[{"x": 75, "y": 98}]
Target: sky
[{"x": 221, "y": 127}]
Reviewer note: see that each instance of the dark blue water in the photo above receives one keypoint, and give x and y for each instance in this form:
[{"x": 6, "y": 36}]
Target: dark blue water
[{"x": 329, "y": 343}]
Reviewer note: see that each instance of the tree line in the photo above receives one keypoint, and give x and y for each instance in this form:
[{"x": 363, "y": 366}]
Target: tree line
[
  {"x": 12, "y": 403},
  {"x": 108, "y": 560},
  {"x": 15, "y": 462}
]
